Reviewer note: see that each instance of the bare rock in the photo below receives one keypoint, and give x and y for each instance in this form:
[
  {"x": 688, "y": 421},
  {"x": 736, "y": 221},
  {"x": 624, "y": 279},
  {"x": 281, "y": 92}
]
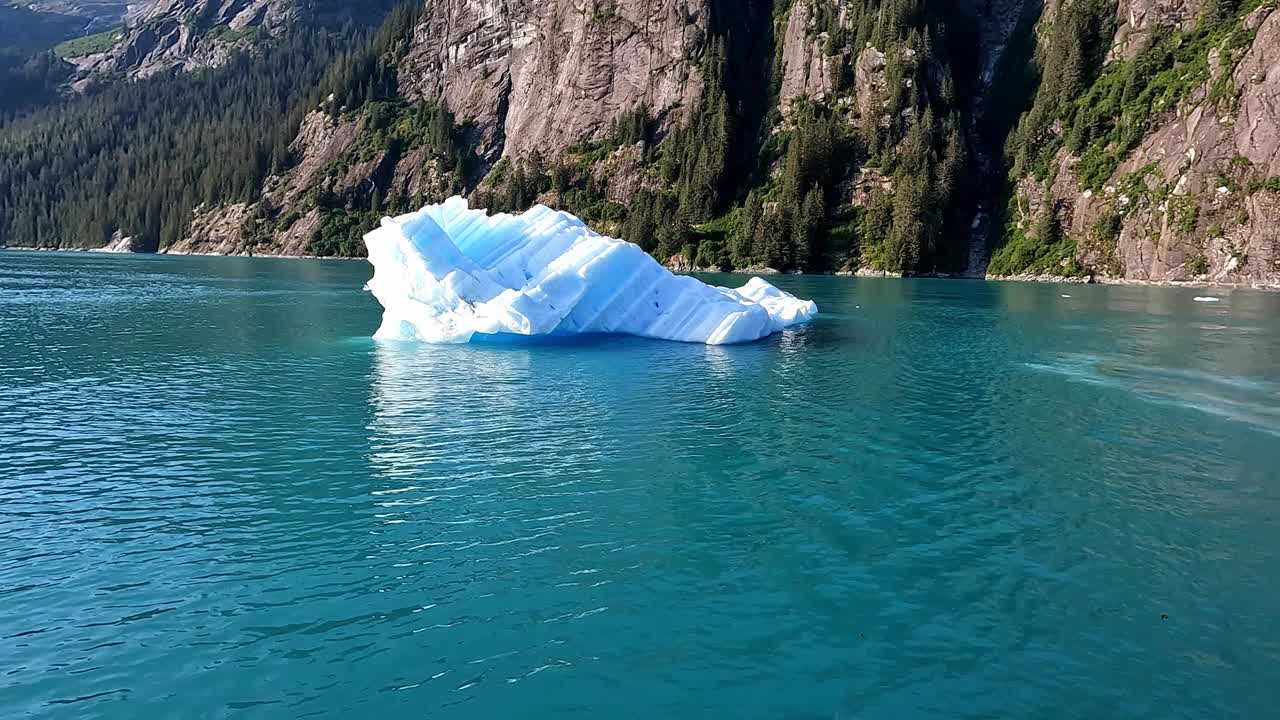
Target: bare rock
[
  {"x": 121, "y": 243},
  {"x": 293, "y": 239},
  {"x": 543, "y": 75},
  {"x": 189, "y": 34},
  {"x": 1138, "y": 22},
  {"x": 214, "y": 231},
  {"x": 869, "y": 80},
  {"x": 1189, "y": 202},
  {"x": 1257, "y": 127},
  {"x": 623, "y": 173},
  {"x": 418, "y": 174},
  {"x": 807, "y": 71},
  {"x": 321, "y": 140},
  {"x": 679, "y": 264},
  {"x": 869, "y": 184}
]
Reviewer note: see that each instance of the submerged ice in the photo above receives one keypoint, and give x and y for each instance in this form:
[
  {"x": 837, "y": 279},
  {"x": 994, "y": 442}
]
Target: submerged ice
[{"x": 448, "y": 273}]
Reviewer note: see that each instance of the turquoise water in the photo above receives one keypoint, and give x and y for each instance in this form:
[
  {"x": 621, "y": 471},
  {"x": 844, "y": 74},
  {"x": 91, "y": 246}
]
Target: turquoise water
[{"x": 943, "y": 499}]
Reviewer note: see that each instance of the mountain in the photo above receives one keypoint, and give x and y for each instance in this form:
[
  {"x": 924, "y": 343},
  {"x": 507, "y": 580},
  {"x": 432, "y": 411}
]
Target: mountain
[
  {"x": 164, "y": 35},
  {"x": 1162, "y": 161},
  {"x": 1132, "y": 139}
]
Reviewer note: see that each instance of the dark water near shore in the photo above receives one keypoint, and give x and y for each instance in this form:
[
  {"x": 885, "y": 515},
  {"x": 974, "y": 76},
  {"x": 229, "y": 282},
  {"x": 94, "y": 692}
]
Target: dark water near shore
[{"x": 943, "y": 499}]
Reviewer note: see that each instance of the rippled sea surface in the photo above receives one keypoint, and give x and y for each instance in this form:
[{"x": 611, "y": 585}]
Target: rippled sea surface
[{"x": 943, "y": 499}]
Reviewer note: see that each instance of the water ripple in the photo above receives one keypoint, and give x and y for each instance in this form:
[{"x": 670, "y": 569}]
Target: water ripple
[{"x": 216, "y": 494}]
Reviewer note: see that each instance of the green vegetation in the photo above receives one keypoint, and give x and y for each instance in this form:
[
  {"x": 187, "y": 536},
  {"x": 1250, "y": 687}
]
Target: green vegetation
[
  {"x": 1046, "y": 251},
  {"x": 227, "y": 34},
  {"x": 1271, "y": 184},
  {"x": 28, "y": 82},
  {"x": 392, "y": 129},
  {"x": 341, "y": 232},
  {"x": 1027, "y": 255},
  {"x": 1100, "y": 114},
  {"x": 883, "y": 180},
  {"x": 1106, "y": 112},
  {"x": 729, "y": 194},
  {"x": 1076, "y": 46},
  {"x": 1184, "y": 213},
  {"x": 362, "y": 85},
  {"x": 87, "y": 45},
  {"x": 141, "y": 156}
]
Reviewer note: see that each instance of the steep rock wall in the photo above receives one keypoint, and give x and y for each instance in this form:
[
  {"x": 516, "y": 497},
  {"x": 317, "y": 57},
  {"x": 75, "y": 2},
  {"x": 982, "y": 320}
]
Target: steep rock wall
[
  {"x": 810, "y": 66},
  {"x": 188, "y": 34},
  {"x": 1197, "y": 198},
  {"x": 1138, "y": 21},
  {"x": 543, "y": 75}
]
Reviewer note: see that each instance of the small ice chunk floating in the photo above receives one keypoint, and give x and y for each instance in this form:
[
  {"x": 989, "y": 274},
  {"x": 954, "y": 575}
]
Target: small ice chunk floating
[{"x": 448, "y": 274}]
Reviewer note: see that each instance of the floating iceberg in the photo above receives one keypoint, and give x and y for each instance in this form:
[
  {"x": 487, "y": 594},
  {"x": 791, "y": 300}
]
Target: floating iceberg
[{"x": 448, "y": 273}]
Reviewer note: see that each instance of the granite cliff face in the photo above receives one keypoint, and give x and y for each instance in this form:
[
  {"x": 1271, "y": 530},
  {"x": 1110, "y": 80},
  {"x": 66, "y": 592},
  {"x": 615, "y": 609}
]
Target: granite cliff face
[
  {"x": 99, "y": 14},
  {"x": 1198, "y": 196},
  {"x": 189, "y": 34},
  {"x": 1140, "y": 21},
  {"x": 809, "y": 71},
  {"x": 545, "y": 74},
  {"x": 167, "y": 35}
]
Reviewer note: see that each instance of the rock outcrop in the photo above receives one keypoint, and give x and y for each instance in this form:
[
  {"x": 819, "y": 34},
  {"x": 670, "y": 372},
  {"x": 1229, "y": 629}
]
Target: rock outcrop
[
  {"x": 1139, "y": 21},
  {"x": 188, "y": 34},
  {"x": 810, "y": 65},
  {"x": 121, "y": 243},
  {"x": 529, "y": 74},
  {"x": 1198, "y": 198},
  {"x": 518, "y": 77},
  {"x": 166, "y": 35}
]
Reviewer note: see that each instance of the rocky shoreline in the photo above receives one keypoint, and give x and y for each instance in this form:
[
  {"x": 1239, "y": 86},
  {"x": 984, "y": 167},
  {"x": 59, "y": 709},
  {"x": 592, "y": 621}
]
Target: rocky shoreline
[
  {"x": 25, "y": 248},
  {"x": 1102, "y": 280},
  {"x": 861, "y": 272}
]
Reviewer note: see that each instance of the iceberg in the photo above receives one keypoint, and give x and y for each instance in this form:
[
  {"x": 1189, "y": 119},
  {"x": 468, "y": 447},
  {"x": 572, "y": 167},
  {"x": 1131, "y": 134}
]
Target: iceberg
[{"x": 451, "y": 274}]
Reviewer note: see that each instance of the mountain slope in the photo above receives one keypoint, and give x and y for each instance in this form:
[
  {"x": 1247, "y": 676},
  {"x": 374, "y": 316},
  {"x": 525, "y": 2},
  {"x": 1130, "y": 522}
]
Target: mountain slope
[
  {"x": 170, "y": 35},
  {"x": 1131, "y": 139},
  {"x": 1164, "y": 166}
]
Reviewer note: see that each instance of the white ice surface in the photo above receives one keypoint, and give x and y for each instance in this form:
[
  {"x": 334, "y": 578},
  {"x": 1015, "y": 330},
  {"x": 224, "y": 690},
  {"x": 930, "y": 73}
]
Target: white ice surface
[{"x": 447, "y": 274}]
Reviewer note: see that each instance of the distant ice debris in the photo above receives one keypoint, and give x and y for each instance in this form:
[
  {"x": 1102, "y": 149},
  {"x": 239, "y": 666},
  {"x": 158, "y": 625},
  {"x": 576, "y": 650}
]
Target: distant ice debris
[
  {"x": 448, "y": 273},
  {"x": 1066, "y": 296},
  {"x": 1208, "y": 299}
]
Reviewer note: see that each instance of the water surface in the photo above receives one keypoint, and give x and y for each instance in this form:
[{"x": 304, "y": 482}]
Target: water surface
[{"x": 943, "y": 499}]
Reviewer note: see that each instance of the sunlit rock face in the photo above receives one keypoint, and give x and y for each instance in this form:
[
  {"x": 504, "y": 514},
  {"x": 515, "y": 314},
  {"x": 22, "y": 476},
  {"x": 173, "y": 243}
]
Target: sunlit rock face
[{"x": 450, "y": 274}]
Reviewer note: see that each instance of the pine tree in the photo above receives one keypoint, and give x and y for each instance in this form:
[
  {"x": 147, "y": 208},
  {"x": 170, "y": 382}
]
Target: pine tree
[
  {"x": 811, "y": 218},
  {"x": 743, "y": 249}
]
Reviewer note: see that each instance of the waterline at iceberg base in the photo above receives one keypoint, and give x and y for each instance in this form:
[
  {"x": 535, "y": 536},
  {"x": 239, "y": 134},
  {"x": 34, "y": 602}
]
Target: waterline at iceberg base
[{"x": 448, "y": 273}]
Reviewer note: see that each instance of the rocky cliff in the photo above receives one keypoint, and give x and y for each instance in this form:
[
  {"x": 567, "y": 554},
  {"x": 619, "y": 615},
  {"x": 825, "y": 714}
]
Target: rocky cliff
[
  {"x": 545, "y": 74},
  {"x": 1146, "y": 147},
  {"x": 520, "y": 79},
  {"x": 188, "y": 34},
  {"x": 811, "y": 63},
  {"x": 1188, "y": 186},
  {"x": 166, "y": 35}
]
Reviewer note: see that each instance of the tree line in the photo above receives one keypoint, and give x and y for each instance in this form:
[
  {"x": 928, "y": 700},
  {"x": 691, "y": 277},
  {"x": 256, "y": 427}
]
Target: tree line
[{"x": 139, "y": 157}]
